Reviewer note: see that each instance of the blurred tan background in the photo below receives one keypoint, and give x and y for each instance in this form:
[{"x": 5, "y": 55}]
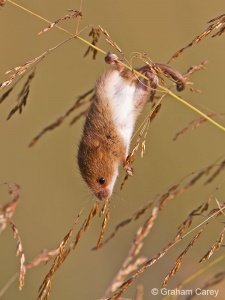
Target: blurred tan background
[{"x": 52, "y": 191}]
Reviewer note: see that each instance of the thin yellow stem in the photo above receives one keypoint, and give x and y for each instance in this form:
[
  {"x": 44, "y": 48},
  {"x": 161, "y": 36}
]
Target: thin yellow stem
[{"x": 192, "y": 107}]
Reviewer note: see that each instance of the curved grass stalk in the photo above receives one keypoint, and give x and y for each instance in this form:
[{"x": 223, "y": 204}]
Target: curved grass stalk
[{"x": 167, "y": 91}]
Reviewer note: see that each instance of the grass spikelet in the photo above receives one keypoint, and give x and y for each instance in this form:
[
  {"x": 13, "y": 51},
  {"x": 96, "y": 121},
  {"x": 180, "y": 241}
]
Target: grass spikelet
[
  {"x": 74, "y": 14},
  {"x": 92, "y": 214},
  {"x": 95, "y": 33},
  {"x": 43, "y": 256},
  {"x": 170, "y": 194},
  {"x": 216, "y": 23},
  {"x": 80, "y": 101},
  {"x": 177, "y": 265},
  {"x": 219, "y": 21},
  {"x": 143, "y": 147},
  {"x": 20, "y": 70},
  {"x": 196, "y": 68},
  {"x": 78, "y": 236},
  {"x": 19, "y": 253},
  {"x": 22, "y": 97},
  {"x": 5, "y": 95},
  {"x": 104, "y": 207},
  {"x": 109, "y": 39},
  {"x": 188, "y": 221},
  {"x": 219, "y": 169},
  {"x": 214, "y": 247},
  {"x": 217, "y": 211},
  {"x": 104, "y": 223}
]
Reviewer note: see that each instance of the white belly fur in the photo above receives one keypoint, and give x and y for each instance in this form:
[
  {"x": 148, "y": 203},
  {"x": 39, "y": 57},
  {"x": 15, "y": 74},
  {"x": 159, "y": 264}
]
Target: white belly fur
[{"x": 121, "y": 96}]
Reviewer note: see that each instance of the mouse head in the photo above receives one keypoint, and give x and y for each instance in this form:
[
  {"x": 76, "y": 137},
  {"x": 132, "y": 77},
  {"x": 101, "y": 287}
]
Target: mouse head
[{"x": 98, "y": 169}]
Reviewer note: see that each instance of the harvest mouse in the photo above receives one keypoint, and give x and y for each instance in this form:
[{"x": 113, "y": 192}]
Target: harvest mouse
[{"x": 120, "y": 96}]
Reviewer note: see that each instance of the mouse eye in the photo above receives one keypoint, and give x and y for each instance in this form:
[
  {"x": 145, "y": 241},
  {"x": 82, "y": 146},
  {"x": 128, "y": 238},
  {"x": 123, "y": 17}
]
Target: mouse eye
[{"x": 101, "y": 180}]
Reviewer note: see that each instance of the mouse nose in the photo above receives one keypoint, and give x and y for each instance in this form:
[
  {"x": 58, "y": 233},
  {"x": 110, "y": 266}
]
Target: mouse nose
[{"x": 104, "y": 194}]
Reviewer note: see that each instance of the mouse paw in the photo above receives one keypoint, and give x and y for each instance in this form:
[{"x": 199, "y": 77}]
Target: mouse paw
[
  {"x": 154, "y": 79},
  {"x": 111, "y": 58}
]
